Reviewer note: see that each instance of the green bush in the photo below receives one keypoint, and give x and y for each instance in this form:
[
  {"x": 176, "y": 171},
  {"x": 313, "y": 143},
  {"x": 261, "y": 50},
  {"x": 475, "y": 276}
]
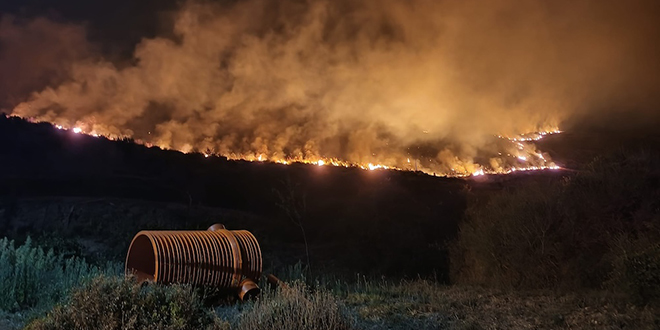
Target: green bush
[
  {"x": 559, "y": 234},
  {"x": 636, "y": 269},
  {"x": 33, "y": 278},
  {"x": 295, "y": 308},
  {"x": 511, "y": 240},
  {"x": 117, "y": 303},
  {"x": 642, "y": 271}
]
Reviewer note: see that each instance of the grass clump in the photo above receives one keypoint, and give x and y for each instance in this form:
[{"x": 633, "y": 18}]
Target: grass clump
[
  {"x": 116, "y": 303},
  {"x": 429, "y": 305},
  {"x": 32, "y": 278},
  {"x": 415, "y": 304},
  {"x": 295, "y": 307}
]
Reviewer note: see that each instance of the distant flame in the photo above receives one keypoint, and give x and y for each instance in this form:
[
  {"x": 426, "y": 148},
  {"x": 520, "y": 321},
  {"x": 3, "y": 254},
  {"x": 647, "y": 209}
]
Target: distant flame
[
  {"x": 478, "y": 172},
  {"x": 535, "y": 136},
  {"x": 522, "y": 152}
]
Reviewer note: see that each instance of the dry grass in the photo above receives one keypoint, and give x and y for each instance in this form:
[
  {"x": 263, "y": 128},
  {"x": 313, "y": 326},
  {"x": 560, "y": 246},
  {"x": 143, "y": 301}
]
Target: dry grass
[
  {"x": 295, "y": 307},
  {"x": 424, "y": 305},
  {"x": 120, "y": 304},
  {"x": 111, "y": 303}
]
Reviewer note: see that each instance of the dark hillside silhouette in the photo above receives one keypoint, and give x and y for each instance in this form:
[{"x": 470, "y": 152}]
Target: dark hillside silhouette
[
  {"x": 381, "y": 222},
  {"x": 396, "y": 222}
]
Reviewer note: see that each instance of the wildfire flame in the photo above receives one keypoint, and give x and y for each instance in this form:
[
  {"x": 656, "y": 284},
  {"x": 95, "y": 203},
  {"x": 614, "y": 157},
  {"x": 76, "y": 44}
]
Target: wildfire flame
[
  {"x": 403, "y": 85},
  {"x": 521, "y": 152}
]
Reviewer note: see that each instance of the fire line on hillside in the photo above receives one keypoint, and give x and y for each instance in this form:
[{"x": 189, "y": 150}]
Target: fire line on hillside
[{"x": 521, "y": 154}]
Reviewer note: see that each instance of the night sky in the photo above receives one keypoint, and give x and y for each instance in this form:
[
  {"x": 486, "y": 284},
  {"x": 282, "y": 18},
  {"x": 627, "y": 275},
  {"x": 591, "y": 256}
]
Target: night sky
[{"x": 115, "y": 25}]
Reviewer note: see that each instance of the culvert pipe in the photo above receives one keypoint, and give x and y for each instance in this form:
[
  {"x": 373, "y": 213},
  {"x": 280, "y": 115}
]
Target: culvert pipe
[{"x": 217, "y": 257}]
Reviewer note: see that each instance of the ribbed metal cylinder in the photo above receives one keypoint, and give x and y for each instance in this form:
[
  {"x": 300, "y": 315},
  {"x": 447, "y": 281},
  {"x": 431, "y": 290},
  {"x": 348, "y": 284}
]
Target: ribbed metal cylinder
[{"x": 216, "y": 257}]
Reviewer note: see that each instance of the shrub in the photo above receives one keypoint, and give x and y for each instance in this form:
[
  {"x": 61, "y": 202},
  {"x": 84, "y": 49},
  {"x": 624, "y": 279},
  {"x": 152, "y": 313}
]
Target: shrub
[
  {"x": 33, "y": 278},
  {"x": 636, "y": 269},
  {"x": 560, "y": 233},
  {"x": 530, "y": 237},
  {"x": 295, "y": 308},
  {"x": 118, "y": 303}
]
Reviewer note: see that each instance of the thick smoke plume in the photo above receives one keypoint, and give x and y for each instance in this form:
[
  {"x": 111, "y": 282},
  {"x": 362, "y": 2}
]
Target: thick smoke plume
[
  {"x": 372, "y": 81},
  {"x": 35, "y": 54}
]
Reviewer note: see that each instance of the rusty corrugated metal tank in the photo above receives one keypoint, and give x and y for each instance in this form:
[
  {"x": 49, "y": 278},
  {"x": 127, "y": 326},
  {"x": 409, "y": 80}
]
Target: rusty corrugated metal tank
[{"x": 225, "y": 259}]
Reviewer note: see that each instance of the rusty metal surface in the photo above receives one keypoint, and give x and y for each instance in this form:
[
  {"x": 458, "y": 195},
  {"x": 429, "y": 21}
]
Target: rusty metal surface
[
  {"x": 248, "y": 290},
  {"x": 216, "y": 257},
  {"x": 276, "y": 282}
]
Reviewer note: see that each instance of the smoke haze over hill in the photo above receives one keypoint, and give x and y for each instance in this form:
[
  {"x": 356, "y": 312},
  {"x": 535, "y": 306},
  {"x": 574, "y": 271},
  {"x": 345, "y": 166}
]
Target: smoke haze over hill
[{"x": 361, "y": 81}]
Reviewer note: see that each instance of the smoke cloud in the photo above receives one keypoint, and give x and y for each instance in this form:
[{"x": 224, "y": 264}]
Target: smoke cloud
[
  {"x": 35, "y": 54},
  {"x": 373, "y": 81}
]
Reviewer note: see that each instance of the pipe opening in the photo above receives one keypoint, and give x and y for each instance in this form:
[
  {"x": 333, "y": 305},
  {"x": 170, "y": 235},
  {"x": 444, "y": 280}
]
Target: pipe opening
[
  {"x": 248, "y": 290},
  {"x": 141, "y": 259}
]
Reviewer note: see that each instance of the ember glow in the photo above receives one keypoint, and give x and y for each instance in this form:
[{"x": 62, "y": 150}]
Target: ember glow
[
  {"x": 517, "y": 145},
  {"x": 530, "y": 136}
]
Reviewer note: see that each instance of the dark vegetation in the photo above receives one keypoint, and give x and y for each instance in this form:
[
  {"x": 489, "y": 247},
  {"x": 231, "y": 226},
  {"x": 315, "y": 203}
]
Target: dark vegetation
[
  {"x": 578, "y": 248},
  {"x": 33, "y": 278},
  {"x": 600, "y": 226},
  {"x": 365, "y": 221},
  {"x": 113, "y": 303}
]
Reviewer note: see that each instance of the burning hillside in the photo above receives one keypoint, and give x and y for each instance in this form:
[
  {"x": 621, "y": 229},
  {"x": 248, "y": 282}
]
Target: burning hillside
[
  {"x": 441, "y": 87},
  {"x": 509, "y": 154}
]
